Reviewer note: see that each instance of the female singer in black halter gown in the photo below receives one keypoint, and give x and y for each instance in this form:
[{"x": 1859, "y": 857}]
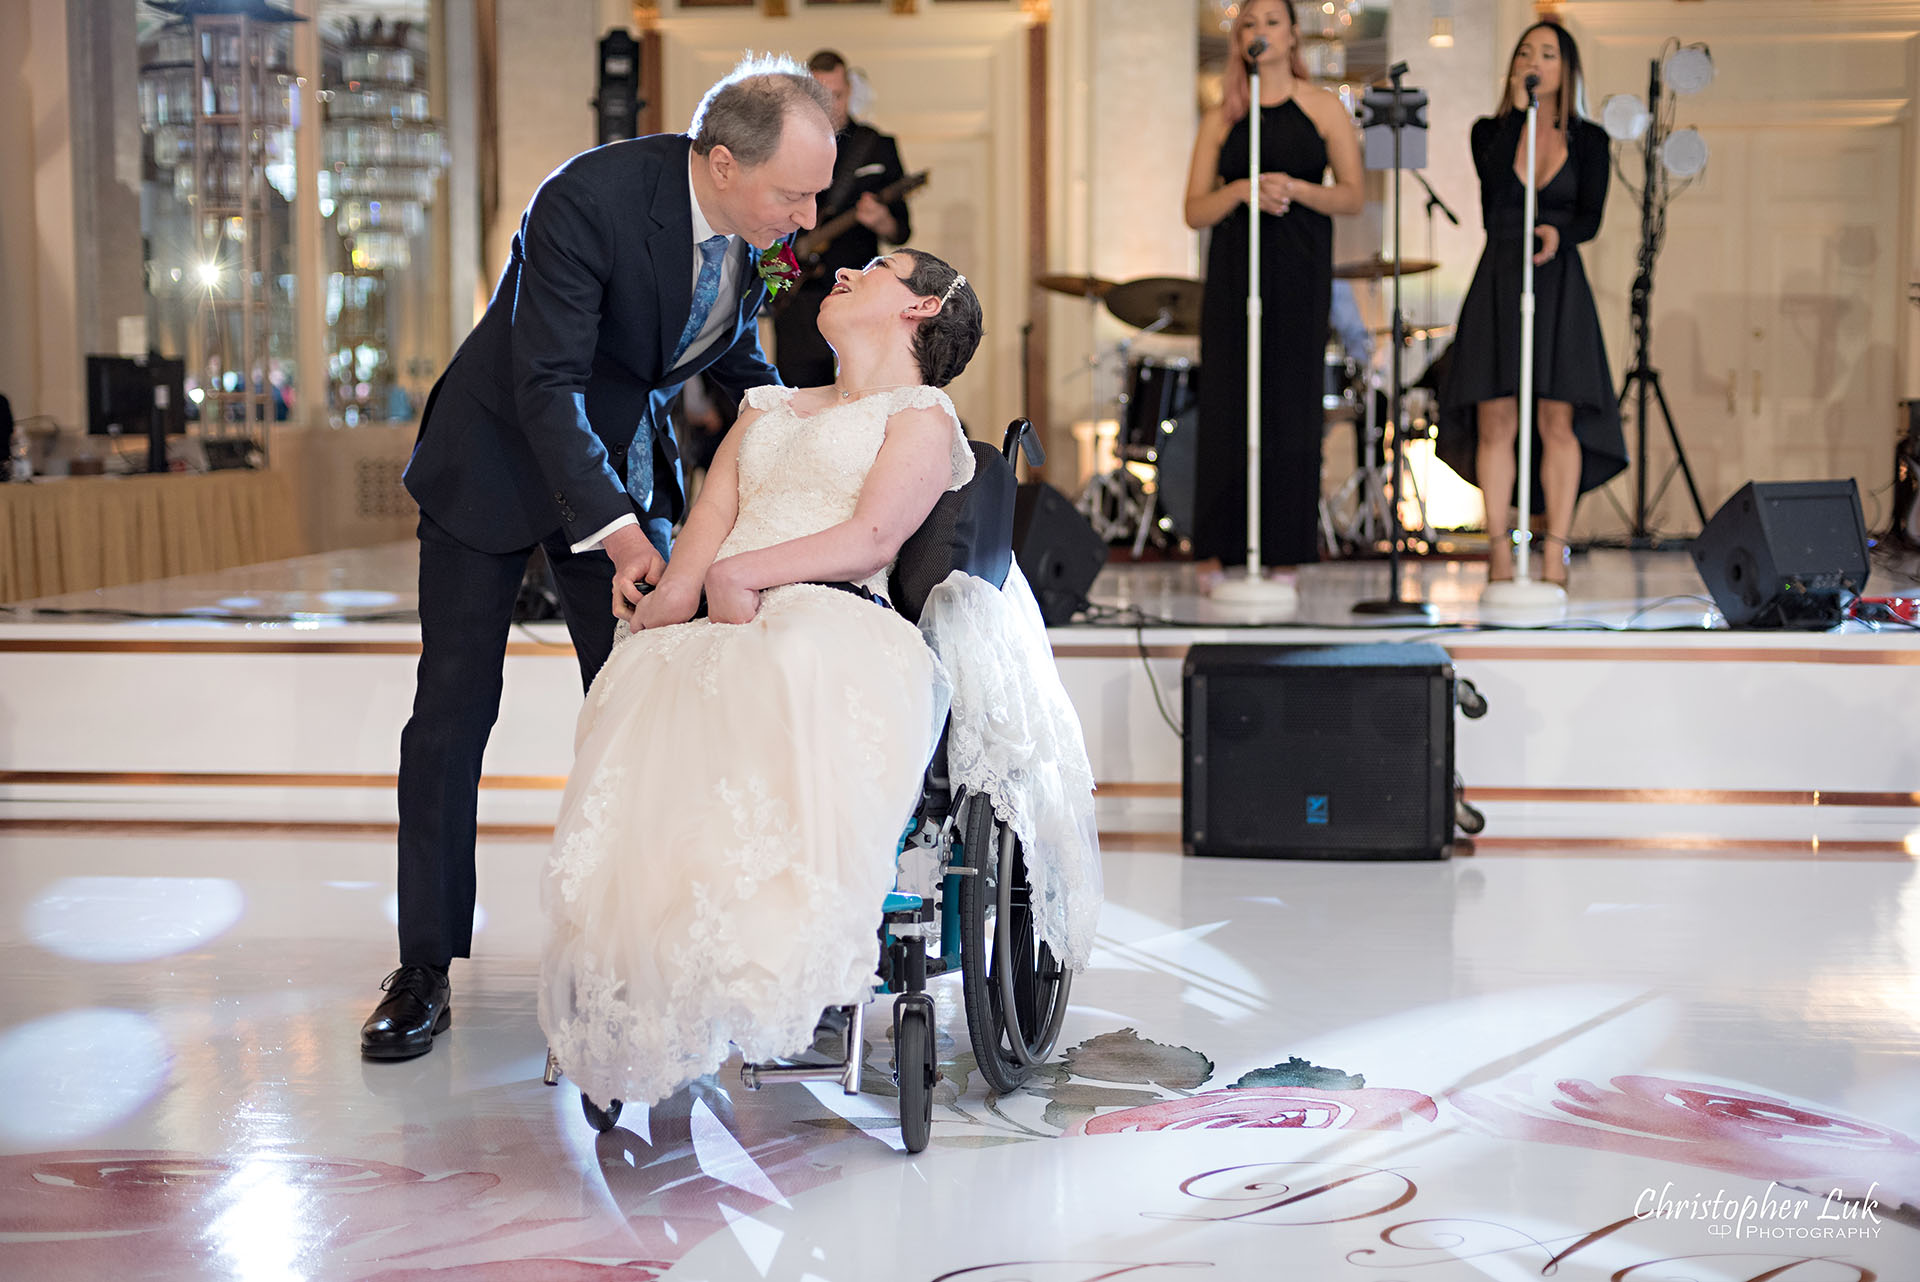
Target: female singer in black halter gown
[
  {"x": 1303, "y": 130},
  {"x": 1579, "y": 442}
]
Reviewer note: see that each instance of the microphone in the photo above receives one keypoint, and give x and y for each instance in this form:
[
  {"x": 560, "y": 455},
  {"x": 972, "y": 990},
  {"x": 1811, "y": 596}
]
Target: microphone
[
  {"x": 1532, "y": 83},
  {"x": 1256, "y": 48}
]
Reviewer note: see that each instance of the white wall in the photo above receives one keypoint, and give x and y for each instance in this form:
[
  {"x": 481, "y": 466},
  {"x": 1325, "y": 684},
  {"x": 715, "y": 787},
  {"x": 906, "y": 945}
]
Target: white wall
[
  {"x": 1123, "y": 113},
  {"x": 544, "y": 84}
]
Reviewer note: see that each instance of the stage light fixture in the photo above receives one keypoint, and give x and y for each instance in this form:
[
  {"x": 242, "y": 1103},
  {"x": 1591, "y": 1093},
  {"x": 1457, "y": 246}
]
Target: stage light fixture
[
  {"x": 1684, "y": 154},
  {"x": 1689, "y": 69},
  {"x": 1625, "y": 117},
  {"x": 1670, "y": 161}
]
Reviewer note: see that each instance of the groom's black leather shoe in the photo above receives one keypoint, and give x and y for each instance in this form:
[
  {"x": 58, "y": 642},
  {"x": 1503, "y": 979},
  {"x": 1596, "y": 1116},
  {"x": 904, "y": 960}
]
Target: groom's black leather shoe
[{"x": 418, "y": 1004}]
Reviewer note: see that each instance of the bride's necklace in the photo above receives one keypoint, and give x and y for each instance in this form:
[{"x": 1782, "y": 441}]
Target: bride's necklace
[{"x": 862, "y": 391}]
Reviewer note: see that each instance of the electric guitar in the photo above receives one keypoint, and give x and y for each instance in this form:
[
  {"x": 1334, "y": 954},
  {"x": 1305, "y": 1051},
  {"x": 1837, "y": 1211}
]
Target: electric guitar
[{"x": 809, "y": 248}]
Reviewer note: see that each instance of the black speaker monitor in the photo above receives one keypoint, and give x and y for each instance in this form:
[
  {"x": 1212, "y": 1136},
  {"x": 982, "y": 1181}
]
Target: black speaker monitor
[
  {"x": 1342, "y": 752},
  {"x": 1057, "y": 550},
  {"x": 1785, "y": 554}
]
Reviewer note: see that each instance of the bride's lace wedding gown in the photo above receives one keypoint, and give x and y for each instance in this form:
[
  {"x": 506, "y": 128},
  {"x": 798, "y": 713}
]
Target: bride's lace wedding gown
[{"x": 738, "y": 792}]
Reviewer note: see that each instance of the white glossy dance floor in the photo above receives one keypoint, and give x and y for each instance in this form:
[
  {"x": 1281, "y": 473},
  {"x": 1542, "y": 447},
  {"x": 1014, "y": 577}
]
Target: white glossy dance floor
[
  {"x": 1517, "y": 1066},
  {"x": 1665, "y": 1026}
]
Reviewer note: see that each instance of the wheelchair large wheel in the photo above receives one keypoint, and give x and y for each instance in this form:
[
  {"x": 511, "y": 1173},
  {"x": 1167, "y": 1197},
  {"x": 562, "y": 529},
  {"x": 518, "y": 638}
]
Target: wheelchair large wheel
[
  {"x": 914, "y": 1070},
  {"x": 1014, "y": 989},
  {"x": 600, "y": 1119}
]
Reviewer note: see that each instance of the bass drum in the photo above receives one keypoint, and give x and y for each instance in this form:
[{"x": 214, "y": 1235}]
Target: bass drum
[{"x": 1159, "y": 417}]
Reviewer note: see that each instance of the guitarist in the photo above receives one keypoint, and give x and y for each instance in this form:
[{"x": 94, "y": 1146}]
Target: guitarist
[{"x": 868, "y": 161}]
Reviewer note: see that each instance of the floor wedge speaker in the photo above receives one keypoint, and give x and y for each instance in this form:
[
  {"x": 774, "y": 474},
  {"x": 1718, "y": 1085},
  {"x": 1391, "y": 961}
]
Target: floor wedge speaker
[
  {"x": 1342, "y": 752},
  {"x": 1057, "y": 550},
  {"x": 1785, "y": 554}
]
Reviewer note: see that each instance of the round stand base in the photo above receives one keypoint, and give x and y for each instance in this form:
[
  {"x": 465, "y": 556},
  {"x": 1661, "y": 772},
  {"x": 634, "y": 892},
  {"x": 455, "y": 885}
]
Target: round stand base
[
  {"x": 1523, "y": 599},
  {"x": 1395, "y": 609},
  {"x": 1272, "y": 596}
]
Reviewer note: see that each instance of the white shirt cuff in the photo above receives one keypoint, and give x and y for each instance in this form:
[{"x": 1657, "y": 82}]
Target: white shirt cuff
[{"x": 590, "y": 544}]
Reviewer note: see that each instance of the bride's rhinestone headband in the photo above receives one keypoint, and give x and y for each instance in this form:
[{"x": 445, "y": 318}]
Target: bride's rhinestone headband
[{"x": 958, "y": 281}]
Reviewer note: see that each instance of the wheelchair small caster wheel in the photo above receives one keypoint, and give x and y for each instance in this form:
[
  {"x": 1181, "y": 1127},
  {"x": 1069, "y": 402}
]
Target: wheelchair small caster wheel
[
  {"x": 600, "y": 1119},
  {"x": 914, "y": 1069}
]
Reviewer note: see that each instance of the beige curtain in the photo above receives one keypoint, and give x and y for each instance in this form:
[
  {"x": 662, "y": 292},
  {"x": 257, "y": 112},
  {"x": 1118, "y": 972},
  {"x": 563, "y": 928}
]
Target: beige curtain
[{"x": 82, "y": 533}]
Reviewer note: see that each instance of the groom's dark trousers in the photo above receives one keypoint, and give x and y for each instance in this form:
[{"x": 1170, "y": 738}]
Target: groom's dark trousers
[
  {"x": 550, "y": 423},
  {"x": 466, "y": 604}
]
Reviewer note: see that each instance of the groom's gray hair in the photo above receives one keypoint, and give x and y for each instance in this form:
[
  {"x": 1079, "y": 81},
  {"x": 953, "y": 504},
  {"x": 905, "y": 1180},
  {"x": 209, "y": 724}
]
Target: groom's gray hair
[{"x": 746, "y": 111}]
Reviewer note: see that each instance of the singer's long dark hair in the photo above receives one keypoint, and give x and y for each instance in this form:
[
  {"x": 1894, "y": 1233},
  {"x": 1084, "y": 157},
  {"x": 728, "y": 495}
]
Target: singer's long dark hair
[{"x": 1572, "y": 99}]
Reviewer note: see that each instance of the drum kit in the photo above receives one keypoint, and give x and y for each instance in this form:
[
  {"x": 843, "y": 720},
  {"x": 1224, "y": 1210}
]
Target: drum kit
[{"x": 1148, "y": 495}]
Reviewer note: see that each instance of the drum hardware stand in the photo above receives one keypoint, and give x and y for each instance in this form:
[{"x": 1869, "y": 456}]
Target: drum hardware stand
[
  {"x": 1396, "y": 112},
  {"x": 1114, "y": 502},
  {"x": 1105, "y": 502},
  {"x": 1363, "y": 496},
  {"x": 1523, "y": 592},
  {"x": 1366, "y": 497}
]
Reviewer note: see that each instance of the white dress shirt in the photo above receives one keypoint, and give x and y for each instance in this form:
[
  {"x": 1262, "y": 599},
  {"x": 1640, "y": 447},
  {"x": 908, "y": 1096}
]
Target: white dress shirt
[{"x": 733, "y": 266}]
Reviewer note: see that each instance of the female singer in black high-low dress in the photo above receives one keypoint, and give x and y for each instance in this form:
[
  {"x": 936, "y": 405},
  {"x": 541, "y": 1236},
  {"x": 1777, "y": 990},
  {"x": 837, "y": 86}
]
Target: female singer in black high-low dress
[
  {"x": 1578, "y": 442},
  {"x": 1303, "y": 130}
]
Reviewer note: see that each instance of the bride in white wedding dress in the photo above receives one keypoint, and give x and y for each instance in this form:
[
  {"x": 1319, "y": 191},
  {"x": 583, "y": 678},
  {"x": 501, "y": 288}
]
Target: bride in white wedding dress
[{"x": 740, "y": 782}]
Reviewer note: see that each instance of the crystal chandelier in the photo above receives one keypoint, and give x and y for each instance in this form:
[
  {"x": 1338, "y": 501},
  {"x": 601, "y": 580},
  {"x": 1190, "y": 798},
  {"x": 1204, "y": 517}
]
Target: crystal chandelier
[
  {"x": 176, "y": 91},
  {"x": 382, "y": 151}
]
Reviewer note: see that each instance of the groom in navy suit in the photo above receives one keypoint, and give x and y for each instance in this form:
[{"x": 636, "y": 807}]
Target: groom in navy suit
[{"x": 631, "y": 273}]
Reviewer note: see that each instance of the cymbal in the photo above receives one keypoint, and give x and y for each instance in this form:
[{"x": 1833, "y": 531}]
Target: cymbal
[
  {"x": 1078, "y": 286},
  {"x": 1141, "y": 303},
  {"x": 1380, "y": 266}
]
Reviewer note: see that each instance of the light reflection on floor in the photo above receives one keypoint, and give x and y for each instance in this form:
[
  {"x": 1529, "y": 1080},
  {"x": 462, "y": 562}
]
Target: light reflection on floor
[{"x": 1445, "y": 1070}]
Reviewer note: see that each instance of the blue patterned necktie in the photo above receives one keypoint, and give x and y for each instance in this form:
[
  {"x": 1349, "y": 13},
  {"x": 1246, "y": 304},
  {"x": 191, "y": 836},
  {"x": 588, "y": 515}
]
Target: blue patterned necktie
[{"x": 706, "y": 292}]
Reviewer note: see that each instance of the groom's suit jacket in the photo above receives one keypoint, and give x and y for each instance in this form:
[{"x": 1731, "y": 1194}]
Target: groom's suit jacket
[{"x": 530, "y": 428}]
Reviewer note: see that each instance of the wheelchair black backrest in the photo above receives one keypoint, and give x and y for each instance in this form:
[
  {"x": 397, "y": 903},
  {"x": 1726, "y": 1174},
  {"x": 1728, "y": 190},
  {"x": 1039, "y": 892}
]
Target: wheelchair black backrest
[{"x": 969, "y": 529}]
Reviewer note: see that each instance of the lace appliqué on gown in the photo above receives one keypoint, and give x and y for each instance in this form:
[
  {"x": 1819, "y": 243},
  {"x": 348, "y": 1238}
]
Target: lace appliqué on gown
[{"x": 1013, "y": 735}]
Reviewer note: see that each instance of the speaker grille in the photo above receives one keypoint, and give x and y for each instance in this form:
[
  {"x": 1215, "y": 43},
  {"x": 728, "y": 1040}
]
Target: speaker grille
[{"x": 1351, "y": 761}]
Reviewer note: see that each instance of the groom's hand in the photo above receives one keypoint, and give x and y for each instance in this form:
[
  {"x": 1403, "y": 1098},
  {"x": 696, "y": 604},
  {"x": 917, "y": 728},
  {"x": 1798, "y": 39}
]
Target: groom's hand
[{"x": 635, "y": 561}]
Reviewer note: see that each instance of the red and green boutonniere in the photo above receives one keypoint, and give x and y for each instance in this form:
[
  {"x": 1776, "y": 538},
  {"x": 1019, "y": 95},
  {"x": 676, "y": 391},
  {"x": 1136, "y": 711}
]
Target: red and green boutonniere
[{"x": 778, "y": 269}]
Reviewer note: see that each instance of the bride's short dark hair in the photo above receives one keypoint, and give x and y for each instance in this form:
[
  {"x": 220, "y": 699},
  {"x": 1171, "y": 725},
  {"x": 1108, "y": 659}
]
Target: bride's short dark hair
[{"x": 946, "y": 341}]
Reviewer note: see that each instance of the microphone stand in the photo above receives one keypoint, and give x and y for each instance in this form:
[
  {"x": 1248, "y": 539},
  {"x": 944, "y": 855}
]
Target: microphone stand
[
  {"x": 1255, "y": 589},
  {"x": 1396, "y": 606},
  {"x": 1522, "y": 592},
  {"x": 1433, "y": 199}
]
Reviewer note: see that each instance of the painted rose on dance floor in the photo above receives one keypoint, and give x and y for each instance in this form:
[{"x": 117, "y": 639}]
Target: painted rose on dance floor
[
  {"x": 1725, "y": 1128},
  {"x": 155, "y": 1214},
  {"x": 1286, "y": 1107}
]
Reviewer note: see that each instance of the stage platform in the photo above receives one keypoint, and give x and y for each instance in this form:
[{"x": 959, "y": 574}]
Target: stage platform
[{"x": 274, "y": 695}]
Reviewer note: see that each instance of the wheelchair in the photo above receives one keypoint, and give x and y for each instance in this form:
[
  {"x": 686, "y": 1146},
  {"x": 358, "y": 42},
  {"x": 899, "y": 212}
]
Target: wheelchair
[{"x": 969, "y": 908}]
